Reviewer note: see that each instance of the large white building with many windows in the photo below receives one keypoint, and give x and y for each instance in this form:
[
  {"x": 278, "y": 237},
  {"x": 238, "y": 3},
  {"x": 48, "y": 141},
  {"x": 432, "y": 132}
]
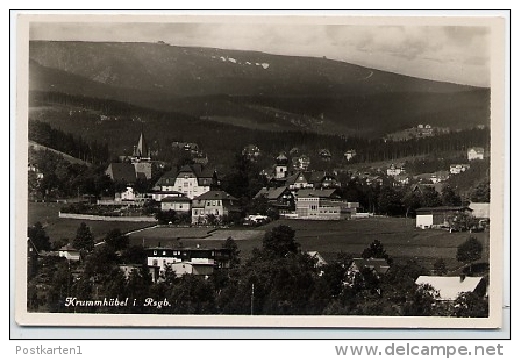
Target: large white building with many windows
[
  {"x": 319, "y": 204},
  {"x": 192, "y": 181}
]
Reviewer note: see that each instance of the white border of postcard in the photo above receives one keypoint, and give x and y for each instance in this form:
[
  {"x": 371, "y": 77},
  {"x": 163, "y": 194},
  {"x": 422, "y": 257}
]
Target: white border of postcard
[{"x": 498, "y": 121}]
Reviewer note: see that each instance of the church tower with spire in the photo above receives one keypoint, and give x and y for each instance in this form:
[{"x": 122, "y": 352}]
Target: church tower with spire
[{"x": 141, "y": 151}]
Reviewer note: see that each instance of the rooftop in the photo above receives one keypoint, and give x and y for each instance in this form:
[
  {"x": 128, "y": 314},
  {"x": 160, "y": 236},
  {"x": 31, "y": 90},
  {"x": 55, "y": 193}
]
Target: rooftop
[
  {"x": 176, "y": 199},
  {"x": 380, "y": 265},
  {"x": 443, "y": 209},
  {"x": 210, "y": 195},
  {"x": 321, "y": 193},
  {"x": 271, "y": 193},
  {"x": 450, "y": 287}
]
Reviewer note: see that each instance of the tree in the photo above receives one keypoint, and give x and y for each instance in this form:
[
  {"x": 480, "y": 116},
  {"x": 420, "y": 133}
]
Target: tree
[
  {"x": 376, "y": 250},
  {"x": 481, "y": 193},
  {"x": 84, "y": 238},
  {"x": 333, "y": 275},
  {"x": 134, "y": 254},
  {"x": 412, "y": 201},
  {"x": 280, "y": 241},
  {"x": 449, "y": 197},
  {"x": 430, "y": 198},
  {"x": 259, "y": 205},
  {"x": 115, "y": 240},
  {"x": 389, "y": 201},
  {"x": 234, "y": 258},
  {"x": 243, "y": 181},
  {"x": 61, "y": 287},
  {"x": 469, "y": 251},
  {"x": 211, "y": 219},
  {"x": 421, "y": 301},
  {"x": 141, "y": 185},
  {"x": 100, "y": 263},
  {"x": 471, "y": 305},
  {"x": 138, "y": 286},
  {"x": 37, "y": 235},
  {"x": 166, "y": 217},
  {"x": 115, "y": 287},
  {"x": 82, "y": 288},
  {"x": 440, "y": 267}
]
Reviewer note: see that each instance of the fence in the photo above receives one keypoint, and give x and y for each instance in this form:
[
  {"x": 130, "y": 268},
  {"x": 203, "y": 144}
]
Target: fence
[{"x": 93, "y": 217}]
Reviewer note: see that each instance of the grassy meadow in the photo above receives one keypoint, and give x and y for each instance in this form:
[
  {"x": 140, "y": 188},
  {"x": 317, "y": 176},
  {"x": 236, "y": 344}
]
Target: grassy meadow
[
  {"x": 65, "y": 229},
  {"x": 399, "y": 236}
]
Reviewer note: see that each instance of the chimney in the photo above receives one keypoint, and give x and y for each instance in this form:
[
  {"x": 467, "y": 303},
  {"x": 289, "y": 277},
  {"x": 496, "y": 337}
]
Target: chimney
[{"x": 461, "y": 278}]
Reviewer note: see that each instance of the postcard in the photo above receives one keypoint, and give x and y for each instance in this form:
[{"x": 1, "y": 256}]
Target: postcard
[{"x": 260, "y": 170}]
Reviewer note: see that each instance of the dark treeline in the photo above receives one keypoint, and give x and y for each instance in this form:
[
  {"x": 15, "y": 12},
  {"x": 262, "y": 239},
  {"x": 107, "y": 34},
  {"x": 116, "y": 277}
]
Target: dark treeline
[
  {"x": 106, "y": 106},
  {"x": 222, "y": 141},
  {"x": 76, "y": 146},
  {"x": 277, "y": 280},
  {"x": 62, "y": 179},
  {"x": 379, "y": 150}
]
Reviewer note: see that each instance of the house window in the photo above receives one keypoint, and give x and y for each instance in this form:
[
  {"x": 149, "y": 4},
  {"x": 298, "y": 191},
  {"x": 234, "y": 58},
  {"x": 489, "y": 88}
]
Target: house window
[
  {"x": 155, "y": 262},
  {"x": 196, "y": 212},
  {"x": 185, "y": 184},
  {"x": 180, "y": 205},
  {"x": 154, "y": 253},
  {"x": 163, "y": 253},
  {"x": 208, "y": 203}
]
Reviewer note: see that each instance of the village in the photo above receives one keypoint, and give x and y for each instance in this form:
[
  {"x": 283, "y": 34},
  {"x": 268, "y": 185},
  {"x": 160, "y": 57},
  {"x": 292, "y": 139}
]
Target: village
[{"x": 185, "y": 223}]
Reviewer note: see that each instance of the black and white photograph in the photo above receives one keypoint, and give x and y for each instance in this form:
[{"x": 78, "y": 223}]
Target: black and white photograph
[{"x": 260, "y": 170}]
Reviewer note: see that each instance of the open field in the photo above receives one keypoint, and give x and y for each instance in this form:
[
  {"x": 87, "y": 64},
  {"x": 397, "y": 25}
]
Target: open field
[
  {"x": 399, "y": 236},
  {"x": 65, "y": 229}
]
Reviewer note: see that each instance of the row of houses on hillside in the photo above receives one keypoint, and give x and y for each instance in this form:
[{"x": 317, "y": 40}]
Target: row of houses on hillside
[
  {"x": 420, "y": 131},
  {"x": 295, "y": 159},
  {"x": 298, "y": 177}
]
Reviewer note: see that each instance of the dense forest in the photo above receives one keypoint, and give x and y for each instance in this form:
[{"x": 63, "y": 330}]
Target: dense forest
[
  {"x": 75, "y": 146},
  {"x": 219, "y": 141}
]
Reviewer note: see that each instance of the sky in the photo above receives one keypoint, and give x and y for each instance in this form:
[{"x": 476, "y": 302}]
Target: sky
[{"x": 459, "y": 54}]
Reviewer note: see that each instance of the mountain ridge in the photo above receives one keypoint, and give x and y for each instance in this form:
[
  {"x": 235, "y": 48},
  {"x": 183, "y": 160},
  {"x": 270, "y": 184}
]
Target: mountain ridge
[{"x": 226, "y": 84}]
